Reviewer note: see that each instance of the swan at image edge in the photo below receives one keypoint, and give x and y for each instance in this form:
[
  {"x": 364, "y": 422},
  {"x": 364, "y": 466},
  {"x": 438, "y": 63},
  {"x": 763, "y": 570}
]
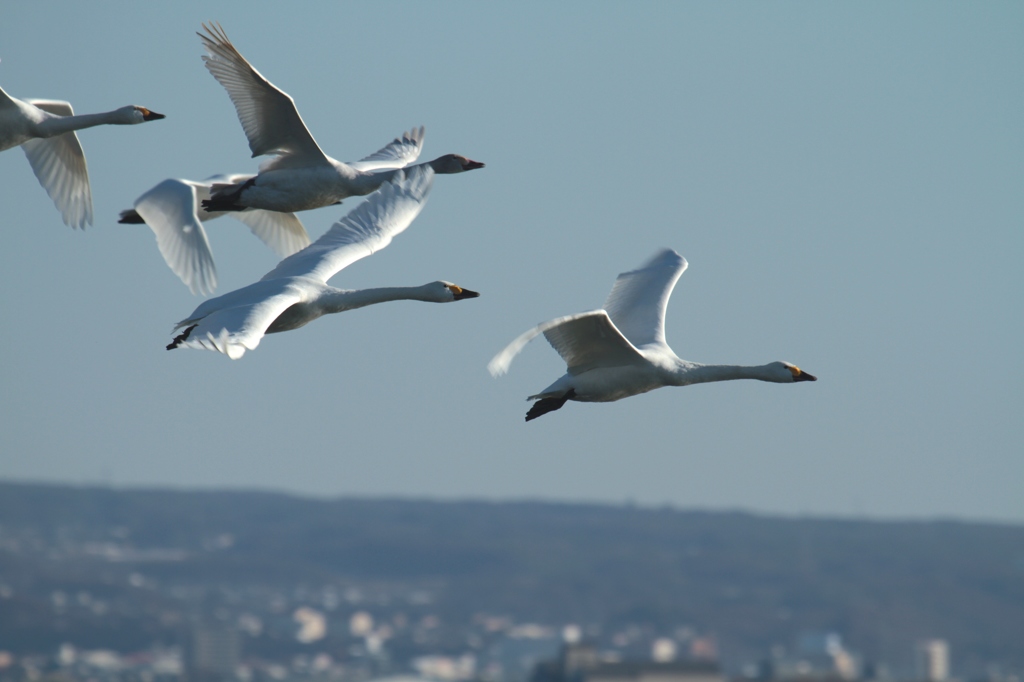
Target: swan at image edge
[{"x": 45, "y": 130}]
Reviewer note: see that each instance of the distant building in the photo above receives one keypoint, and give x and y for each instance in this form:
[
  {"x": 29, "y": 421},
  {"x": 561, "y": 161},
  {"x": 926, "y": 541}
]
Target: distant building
[
  {"x": 664, "y": 650},
  {"x": 819, "y": 656},
  {"x": 652, "y": 671},
  {"x": 932, "y": 660},
  {"x": 575, "y": 658},
  {"x": 214, "y": 653},
  {"x": 581, "y": 663}
]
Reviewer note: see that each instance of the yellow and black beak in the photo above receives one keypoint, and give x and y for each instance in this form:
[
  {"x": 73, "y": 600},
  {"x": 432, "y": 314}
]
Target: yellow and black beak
[
  {"x": 148, "y": 115},
  {"x": 459, "y": 293},
  {"x": 800, "y": 375}
]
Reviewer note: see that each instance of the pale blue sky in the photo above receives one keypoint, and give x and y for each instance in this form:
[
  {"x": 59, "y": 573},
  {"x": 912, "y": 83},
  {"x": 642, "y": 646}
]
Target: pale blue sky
[{"x": 845, "y": 180}]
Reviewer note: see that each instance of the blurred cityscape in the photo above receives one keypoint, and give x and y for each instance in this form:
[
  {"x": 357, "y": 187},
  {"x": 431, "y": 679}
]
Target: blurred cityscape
[{"x": 104, "y": 585}]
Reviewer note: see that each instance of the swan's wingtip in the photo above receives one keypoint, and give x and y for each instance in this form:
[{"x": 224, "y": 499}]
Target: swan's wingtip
[
  {"x": 226, "y": 345},
  {"x": 498, "y": 367}
]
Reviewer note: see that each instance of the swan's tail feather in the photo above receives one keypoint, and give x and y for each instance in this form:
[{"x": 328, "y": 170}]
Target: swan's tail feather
[
  {"x": 181, "y": 338},
  {"x": 545, "y": 405}
]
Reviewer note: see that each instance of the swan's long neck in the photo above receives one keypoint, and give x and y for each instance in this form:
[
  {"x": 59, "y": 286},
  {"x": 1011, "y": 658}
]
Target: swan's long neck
[
  {"x": 338, "y": 301},
  {"x": 58, "y": 125},
  {"x": 693, "y": 373},
  {"x": 364, "y": 183}
]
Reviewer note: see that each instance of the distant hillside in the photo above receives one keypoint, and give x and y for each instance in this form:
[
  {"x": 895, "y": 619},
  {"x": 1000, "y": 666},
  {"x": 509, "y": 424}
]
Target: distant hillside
[{"x": 752, "y": 581}]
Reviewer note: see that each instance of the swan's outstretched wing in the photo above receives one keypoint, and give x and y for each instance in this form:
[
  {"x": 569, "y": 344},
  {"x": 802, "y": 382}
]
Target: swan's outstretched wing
[
  {"x": 59, "y": 164},
  {"x": 367, "y": 229},
  {"x": 282, "y": 232},
  {"x": 268, "y": 115},
  {"x": 170, "y": 211},
  {"x": 236, "y": 321},
  {"x": 398, "y": 153},
  {"x": 638, "y": 299},
  {"x": 585, "y": 341}
]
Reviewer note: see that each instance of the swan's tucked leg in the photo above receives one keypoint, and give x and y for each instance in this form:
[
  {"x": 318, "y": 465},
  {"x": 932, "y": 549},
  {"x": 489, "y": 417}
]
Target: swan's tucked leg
[
  {"x": 131, "y": 217},
  {"x": 222, "y": 200},
  {"x": 180, "y": 338},
  {"x": 545, "y": 405}
]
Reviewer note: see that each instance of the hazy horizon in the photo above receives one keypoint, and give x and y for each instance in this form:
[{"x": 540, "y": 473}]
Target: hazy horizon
[{"x": 468, "y": 499}]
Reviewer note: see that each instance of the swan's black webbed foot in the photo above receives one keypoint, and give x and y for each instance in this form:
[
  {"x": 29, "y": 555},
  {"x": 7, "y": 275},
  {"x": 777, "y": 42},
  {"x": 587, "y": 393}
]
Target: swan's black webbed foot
[
  {"x": 130, "y": 217},
  {"x": 180, "y": 338},
  {"x": 545, "y": 405}
]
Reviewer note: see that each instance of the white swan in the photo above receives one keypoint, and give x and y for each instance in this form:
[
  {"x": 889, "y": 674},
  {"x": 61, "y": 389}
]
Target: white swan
[
  {"x": 621, "y": 350},
  {"x": 300, "y": 176},
  {"x": 45, "y": 129},
  {"x": 173, "y": 211},
  {"x": 296, "y": 291}
]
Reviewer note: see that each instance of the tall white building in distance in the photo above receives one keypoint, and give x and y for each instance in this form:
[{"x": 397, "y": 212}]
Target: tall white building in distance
[{"x": 932, "y": 660}]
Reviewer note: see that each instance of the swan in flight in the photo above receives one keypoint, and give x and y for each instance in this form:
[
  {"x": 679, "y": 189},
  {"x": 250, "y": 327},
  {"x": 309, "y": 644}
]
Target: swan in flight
[
  {"x": 173, "y": 211},
  {"x": 621, "y": 350},
  {"x": 45, "y": 129},
  {"x": 296, "y": 291},
  {"x": 300, "y": 176}
]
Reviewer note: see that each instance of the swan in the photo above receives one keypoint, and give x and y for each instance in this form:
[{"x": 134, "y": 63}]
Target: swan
[
  {"x": 172, "y": 210},
  {"x": 296, "y": 292},
  {"x": 300, "y": 176},
  {"x": 45, "y": 129},
  {"x": 621, "y": 351}
]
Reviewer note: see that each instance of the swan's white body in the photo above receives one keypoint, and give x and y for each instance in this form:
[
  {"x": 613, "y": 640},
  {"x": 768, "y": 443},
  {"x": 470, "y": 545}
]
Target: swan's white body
[
  {"x": 300, "y": 176},
  {"x": 45, "y": 129},
  {"x": 296, "y": 291},
  {"x": 620, "y": 351},
  {"x": 173, "y": 210}
]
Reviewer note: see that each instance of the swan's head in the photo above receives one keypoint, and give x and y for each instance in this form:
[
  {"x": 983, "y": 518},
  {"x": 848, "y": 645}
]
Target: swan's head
[
  {"x": 787, "y": 373},
  {"x": 134, "y": 114},
  {"x": 453, "y": 163},
  {"x": 445, "y": 292}
]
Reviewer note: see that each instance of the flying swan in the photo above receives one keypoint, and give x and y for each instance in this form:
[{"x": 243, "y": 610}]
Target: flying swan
[
  {"x": 45, "y": 129},
  {"x": 299, "y": 176},
  {"x": 621, "y": 350},
  {"x": 296, "y": 292},
  {"x": 172, "y": 210}
]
